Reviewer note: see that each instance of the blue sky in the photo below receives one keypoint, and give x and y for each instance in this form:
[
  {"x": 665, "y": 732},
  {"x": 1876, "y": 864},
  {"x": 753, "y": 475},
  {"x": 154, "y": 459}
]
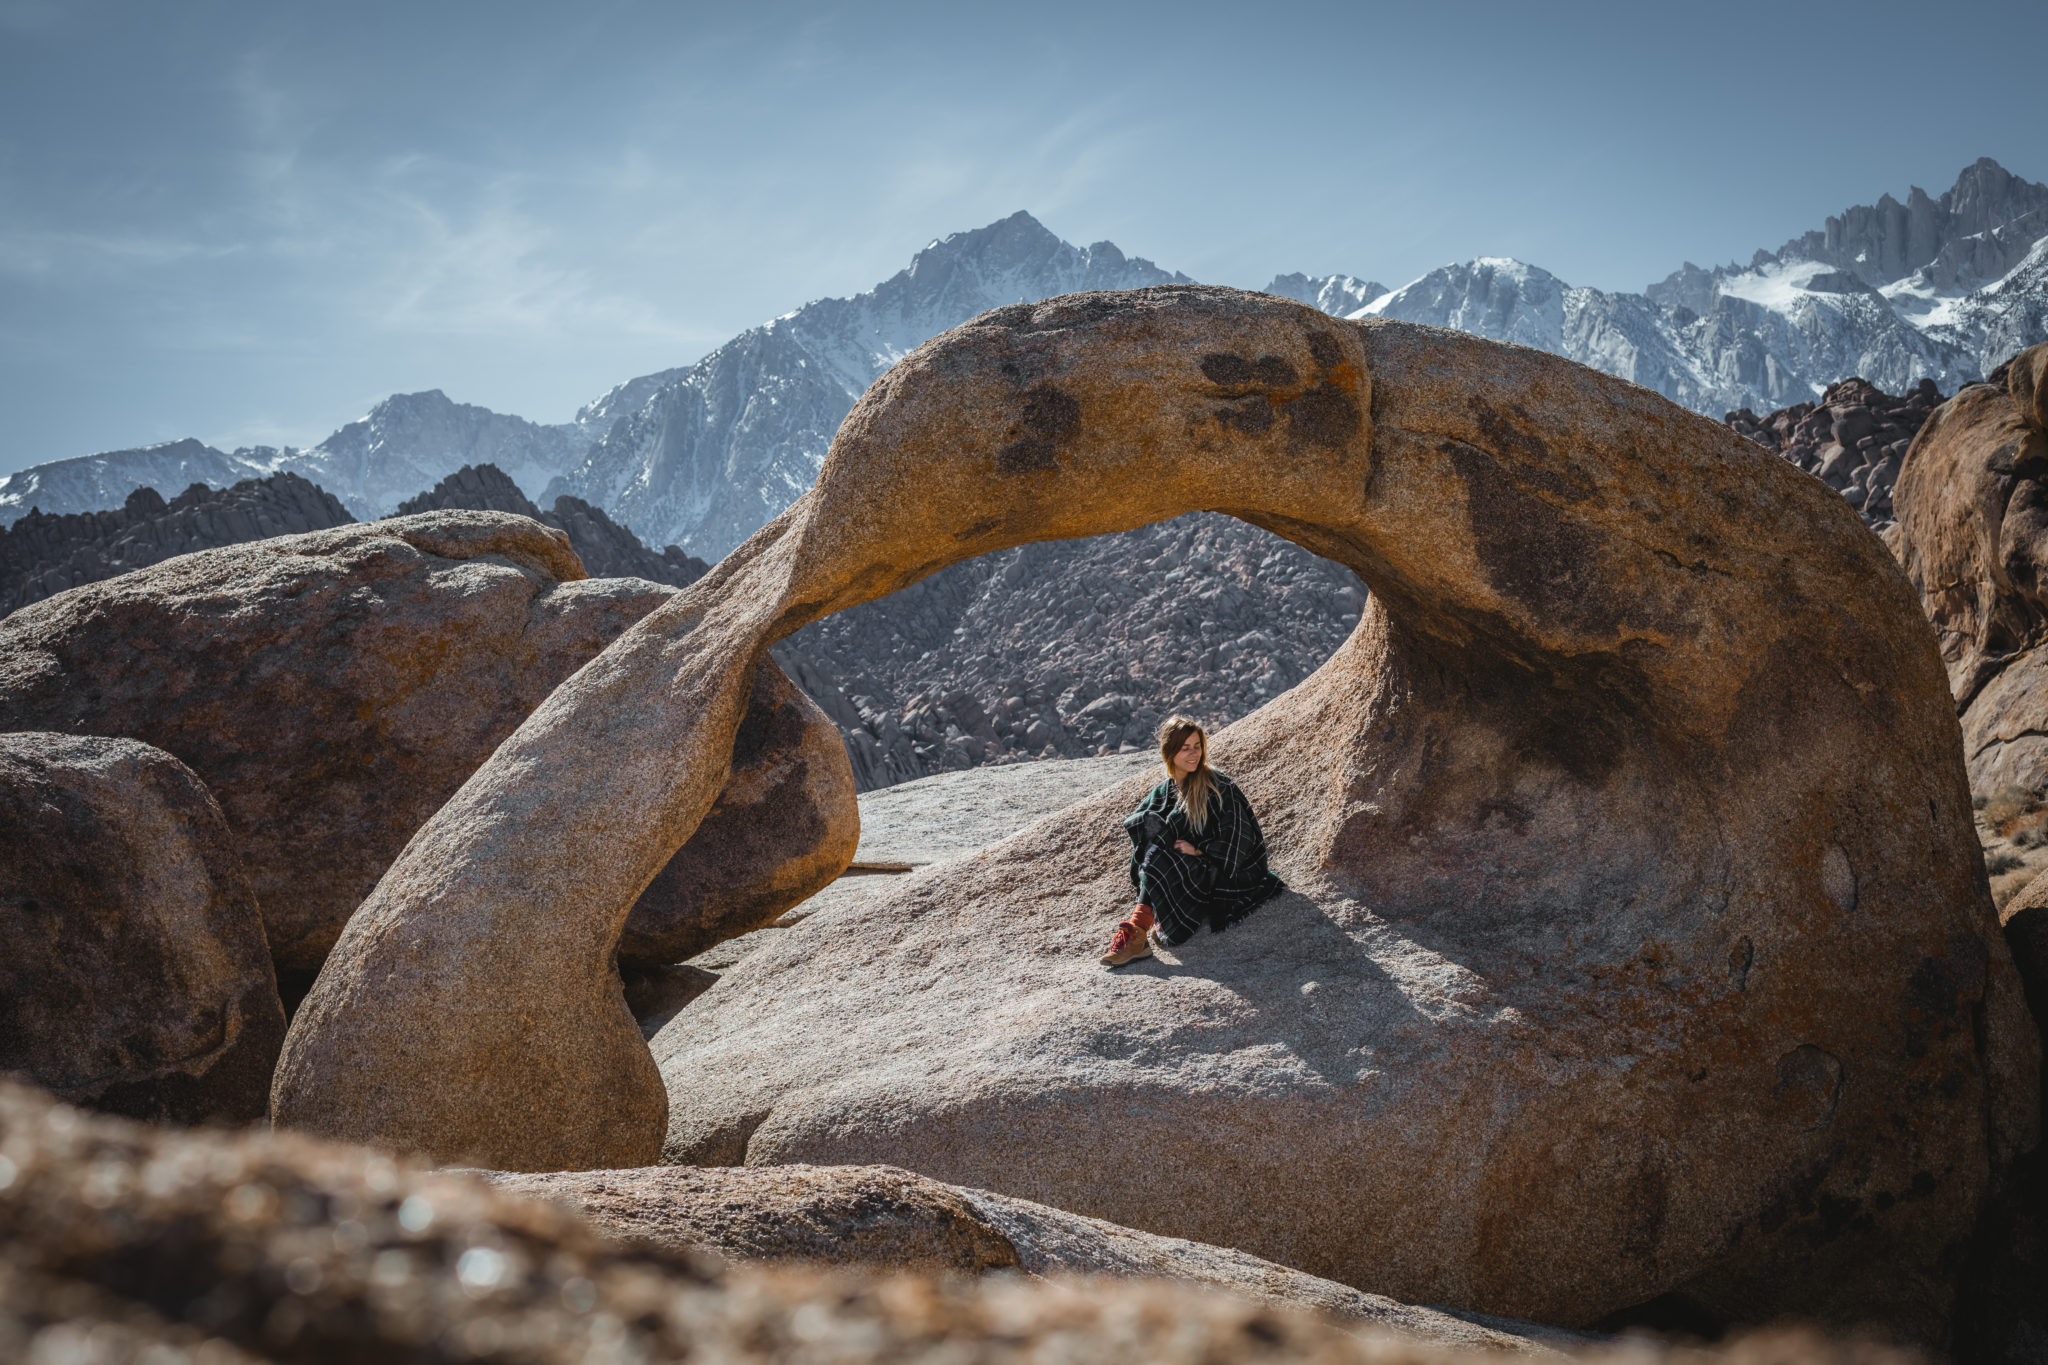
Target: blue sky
[{"x": 248, "y": 222}]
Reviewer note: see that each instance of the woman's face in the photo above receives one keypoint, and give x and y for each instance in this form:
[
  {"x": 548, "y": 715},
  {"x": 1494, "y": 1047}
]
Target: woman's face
[{"x": 1190, "y": 756}]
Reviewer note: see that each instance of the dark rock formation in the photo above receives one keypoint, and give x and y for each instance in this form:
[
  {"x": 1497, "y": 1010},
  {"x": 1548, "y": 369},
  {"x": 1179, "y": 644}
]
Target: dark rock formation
[
  {"x": 1073, "y": 648},
  {"x": 1854, "y": 440},
  {"x": 134, "y": 976},
  {"x": 783, "y": 828},
  {"x": 607, "y": 549},
  {"x": 43, "y": 554}
]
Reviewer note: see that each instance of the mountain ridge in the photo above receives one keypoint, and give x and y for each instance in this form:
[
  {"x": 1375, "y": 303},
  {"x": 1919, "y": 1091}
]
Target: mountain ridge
[{"x": 700, "y": 456}]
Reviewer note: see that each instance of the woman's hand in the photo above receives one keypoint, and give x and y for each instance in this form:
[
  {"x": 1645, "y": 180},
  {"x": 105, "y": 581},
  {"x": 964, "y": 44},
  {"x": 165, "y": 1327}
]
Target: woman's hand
[{"x": 1187, "y": 848}]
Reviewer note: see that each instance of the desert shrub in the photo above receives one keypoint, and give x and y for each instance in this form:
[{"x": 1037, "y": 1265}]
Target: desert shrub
[
  {"x": 2029, "y": 830},
  {"x": 2010, "y": 884},
  {"x": 2003, "y": 861},
  {"x": 2008, "y": 804}
]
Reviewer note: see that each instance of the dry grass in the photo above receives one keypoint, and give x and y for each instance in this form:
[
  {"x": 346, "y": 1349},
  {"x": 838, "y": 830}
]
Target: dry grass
[
  {"x": 2005, "y": 807},
  {"x": 2009, "y": 884}
]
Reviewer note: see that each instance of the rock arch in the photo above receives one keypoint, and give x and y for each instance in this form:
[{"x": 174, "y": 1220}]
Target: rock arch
[{"x": 1644, "y": 714}]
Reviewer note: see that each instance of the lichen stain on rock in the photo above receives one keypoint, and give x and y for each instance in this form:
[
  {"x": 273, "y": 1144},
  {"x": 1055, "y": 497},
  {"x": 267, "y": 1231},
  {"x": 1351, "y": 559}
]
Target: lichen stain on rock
[
  {"x": 1325, "y": 415},
  {"x": 1531, "y": 554},
  {"x": 1051, "y": 415}
]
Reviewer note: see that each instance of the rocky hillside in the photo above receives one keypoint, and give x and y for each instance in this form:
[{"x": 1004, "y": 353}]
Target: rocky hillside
[
  {"x": 607, "y": 549},
  {"x": 1853, "y": 440},
  {"x": 45, "y": 553},
  {"x": 1072, "y": 648}
]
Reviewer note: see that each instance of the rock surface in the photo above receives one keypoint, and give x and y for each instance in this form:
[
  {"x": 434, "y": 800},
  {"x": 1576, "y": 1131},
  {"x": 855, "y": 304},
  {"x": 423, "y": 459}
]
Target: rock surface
[
  {"x": 1627, "y": 923},
  {"x": 784, "y": 827},
  {"x": 607, "y": 549},
  {"x": 135, "y": 977},
  {"x": 1973, "y": 537},
  {"x": 878, "y": 1217},
  {"x": 43, "y": 554},
  {"x": 120, "y": 1243},
  {"x": 936, "y": 818},
  {"x": 331, "y": 689}
]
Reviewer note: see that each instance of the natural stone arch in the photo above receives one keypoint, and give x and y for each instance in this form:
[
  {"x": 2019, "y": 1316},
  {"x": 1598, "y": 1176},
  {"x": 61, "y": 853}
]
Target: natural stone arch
[{"x": 1614, "y": 657}]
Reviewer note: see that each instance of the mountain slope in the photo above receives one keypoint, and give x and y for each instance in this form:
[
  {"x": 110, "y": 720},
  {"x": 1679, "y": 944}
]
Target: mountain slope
[
  {"x": 404, "y": 444},
  {"x": 713, "y": 451},
  {"x": 92, "y": 483},
  {"x": 411, "y": 440},
  {"x": 607, "y": 549},
  {"x": 1894, "y": 293}
]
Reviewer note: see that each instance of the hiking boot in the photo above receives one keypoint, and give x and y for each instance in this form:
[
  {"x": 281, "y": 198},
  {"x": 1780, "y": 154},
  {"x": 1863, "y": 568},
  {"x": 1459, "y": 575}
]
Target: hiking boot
[{"x": 1127, "y": 944}]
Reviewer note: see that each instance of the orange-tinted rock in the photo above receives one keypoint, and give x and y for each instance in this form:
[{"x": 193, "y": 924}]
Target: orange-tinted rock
[
  {"x": 1634, "y": 874},
  {"x": 134, "y": 976},
  {"x": 1972, "y": 505}
]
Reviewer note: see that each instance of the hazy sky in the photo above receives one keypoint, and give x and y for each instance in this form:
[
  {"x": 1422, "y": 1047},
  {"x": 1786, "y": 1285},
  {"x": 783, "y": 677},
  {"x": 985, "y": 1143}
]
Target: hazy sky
[{"x": 247, "y": 222}]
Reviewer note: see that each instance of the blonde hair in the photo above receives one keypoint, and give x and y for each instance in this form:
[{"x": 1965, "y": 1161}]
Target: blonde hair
[{"x": 1197, "y": 790}]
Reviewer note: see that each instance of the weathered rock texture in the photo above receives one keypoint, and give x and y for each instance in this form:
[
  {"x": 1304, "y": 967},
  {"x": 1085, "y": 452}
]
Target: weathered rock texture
[
  {"x": 331, "y": 689},
  {"x": 946, "y": 815},
  {"x": 134, "y": 976},
  {"x": 43, "y": 554},
  {"x": 876, "y": 1217},
  {"x": 607, "y": 549},
  {"x": 120, "y": 1244},
  {"x": 1973, "y": 537},
  {"x": 334, "y": 689},
  {"x": 785, "y": 825},
  {"x": 1854, "y": 440},
  {"x": 1635, "y": 877}
]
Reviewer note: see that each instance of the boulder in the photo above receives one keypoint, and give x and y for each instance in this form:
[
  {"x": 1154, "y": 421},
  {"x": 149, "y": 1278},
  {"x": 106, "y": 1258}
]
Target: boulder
[
  {"x": 1639, "y": 944},
  {"x": 2027, "y": 380},
  {"x": 142, "y": 1245},
  {"x": 135, "y": 977},
  {"x": 880, "y": 1218},
  {"x": 334, "y": 689},
  {"x": 786, "y": 824},
  {"x": 1972, "y": 505}
]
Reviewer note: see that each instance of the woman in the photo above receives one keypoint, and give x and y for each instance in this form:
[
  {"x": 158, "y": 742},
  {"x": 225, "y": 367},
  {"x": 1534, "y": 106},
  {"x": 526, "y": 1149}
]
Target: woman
[{"x": 1197, "y": 856}]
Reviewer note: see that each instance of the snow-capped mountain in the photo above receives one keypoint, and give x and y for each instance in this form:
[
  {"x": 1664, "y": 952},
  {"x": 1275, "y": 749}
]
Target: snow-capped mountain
[
  {"x": 1930, "y": 289},
  {"x": 94, "y": 483},
  {"x": 411, "y": 441},
  {"x": 702, "y": 457},
  {"x": 407, "y": 443},
  {"x": 1337, "y": 294}
]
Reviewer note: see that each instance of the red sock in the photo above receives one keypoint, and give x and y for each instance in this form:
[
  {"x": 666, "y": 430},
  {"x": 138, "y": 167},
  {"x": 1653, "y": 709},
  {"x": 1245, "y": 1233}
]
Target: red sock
[{"x": 1141, "y": 918}]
